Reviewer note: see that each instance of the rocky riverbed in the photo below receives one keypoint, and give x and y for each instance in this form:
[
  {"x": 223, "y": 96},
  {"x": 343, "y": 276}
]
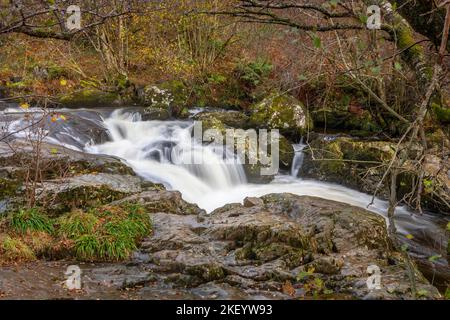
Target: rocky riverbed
[{"x": 279, "y": 246}]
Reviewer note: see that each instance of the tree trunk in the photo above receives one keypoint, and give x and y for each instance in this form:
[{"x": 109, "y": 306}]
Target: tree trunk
[{"x": 425, "y": 18}]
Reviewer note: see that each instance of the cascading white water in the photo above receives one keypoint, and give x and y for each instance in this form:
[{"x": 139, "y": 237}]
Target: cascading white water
[
  {"x": 297, "y": 162},
  {"x": 157, "y": 149}
]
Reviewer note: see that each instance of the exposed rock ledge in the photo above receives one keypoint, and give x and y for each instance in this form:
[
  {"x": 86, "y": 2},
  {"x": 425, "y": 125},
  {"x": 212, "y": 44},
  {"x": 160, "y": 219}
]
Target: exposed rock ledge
[{"x": 282, "y": 247}]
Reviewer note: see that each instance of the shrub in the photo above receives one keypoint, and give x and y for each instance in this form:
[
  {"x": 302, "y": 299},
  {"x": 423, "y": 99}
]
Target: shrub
[{"x": 254, "y": 72}]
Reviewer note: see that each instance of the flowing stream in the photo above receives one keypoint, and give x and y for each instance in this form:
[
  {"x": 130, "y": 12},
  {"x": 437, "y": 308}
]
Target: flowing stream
[{"x": 158, "y": 150}]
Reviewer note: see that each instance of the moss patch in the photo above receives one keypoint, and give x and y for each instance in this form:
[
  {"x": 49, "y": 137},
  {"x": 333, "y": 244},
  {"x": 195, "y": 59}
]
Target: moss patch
[
  {"x": 89, "y": 98},
  {"x": 283, "y": 112}
]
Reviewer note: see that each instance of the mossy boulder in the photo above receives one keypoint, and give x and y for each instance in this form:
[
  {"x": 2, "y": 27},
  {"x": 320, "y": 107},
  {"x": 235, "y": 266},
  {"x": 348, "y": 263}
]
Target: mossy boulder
[
  {"x": 283, "y": 112},
  {"x": 361, "y": 164},
  {"x": 85, "y": 191},
  {"x": 223, "y": 121},
  {"x": 352, "y": 162},
  {"x": 169, "y": 95},
  {"x": 233, "y": 119},
  {"x": 90, "y": 97},
  {"x": 154, "y": 113},
  {"x": 278, "y": 239}
]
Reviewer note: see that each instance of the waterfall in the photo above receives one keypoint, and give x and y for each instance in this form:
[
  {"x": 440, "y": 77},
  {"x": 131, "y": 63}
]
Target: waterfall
[
  {"x": 297, "y": 162},
  {"x": 158, "y": 150}
]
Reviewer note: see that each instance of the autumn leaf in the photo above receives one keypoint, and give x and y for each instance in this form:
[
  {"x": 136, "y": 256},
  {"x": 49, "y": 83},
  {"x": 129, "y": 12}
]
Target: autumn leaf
[
  {"x": 24, "y": 105},
  {"x": 288, "y": 289}
]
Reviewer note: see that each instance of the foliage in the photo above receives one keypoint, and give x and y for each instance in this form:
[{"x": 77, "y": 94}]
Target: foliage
[
  {"x": 253, "y": 73},
  {"x": 108, "y": 233},
  {"x": 33, "y": 219},
  {"x": 77, "y": 223},
  {"x": 13, "y": 250}
]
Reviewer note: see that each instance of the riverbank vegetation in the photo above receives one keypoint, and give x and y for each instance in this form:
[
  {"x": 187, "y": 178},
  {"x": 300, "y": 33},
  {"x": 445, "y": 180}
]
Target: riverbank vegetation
[{"x": 108, "y": 233}]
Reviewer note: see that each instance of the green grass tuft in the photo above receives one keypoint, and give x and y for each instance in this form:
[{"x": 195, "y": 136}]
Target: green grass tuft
[
  {"x": 111, "y": 234},
  {"x": 31, "y": 220},
  {"x": 75, "y": 224}
]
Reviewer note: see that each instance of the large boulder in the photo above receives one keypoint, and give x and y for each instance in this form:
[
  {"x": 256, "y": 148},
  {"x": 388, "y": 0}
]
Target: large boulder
[
  {"x": 283, "y": 239},
  {"x": 91, "y": 97},
  {"x": 85, "y": 191},
  {"x": 56, "y": 163},
  {"x": 171, "y": 96},
  {"x": 352, "y": 162},
  {"x": 234, "y": 119},
  {"x": 279, "y": 246},
  {"x": 283, "y": 112},
  {"x": 223, "y": 120}
]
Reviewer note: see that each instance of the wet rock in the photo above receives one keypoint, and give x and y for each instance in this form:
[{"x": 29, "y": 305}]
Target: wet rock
[
  {"x": 348, "y": 161},
  {"x": 282, "y": 247},
  {"x": 283, "y": 112},
  {"x": 89, "y": 97},
  {"x": 57, "y": 161},
  {"x": 233, "y": 119},
  {"x": 361, "y": 164},
  {"x": 164, "y": 201},
  {"x": 153, "y": 113},
  {"x": 252, "y": 202},
  {"x": 223, "y": 122},
  {"x": 85, "y": 191},
  {"x": 262, "y": 246},
  {"x": 58, "y": 165}
]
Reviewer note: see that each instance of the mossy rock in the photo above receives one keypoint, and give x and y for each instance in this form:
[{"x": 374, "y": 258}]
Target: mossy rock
[
  {"x": 169, "y": 95},
  {"x": 86, "y": 191},
  {"x": 207, "y": 272},
  {"x": 221, "y": 121},
  {"x": 9, "y": 188},
  {"x": 90, "y": 98},
  {"x": 283, "y": 112},
  {"x": 153, "y": 113},
  {"x": 348, "y": 161},
  {"x": 234, "y": 119}
]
